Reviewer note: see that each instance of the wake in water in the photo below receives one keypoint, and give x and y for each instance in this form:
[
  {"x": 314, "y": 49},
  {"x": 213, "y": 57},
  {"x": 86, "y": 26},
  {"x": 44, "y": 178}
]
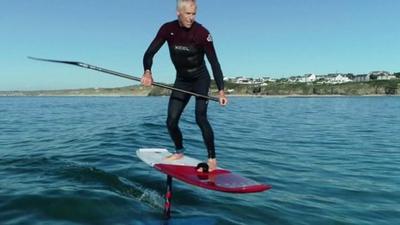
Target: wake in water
[{"x": 68, "y": 191}]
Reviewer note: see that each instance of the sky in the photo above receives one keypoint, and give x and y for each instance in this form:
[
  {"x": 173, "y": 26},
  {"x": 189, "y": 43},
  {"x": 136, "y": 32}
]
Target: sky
[{"x": 258, "y": 38}]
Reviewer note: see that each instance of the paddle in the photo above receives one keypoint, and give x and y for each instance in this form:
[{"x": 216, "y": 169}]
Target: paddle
[{"x": 88, "y": 66}]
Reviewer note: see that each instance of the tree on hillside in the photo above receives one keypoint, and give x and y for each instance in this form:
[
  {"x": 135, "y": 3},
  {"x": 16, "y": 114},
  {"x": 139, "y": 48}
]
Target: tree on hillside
[
  {"x": 397, "y": 75},
  {"x": 373, "y": 77},
  {"x": 350, "y": 76}
]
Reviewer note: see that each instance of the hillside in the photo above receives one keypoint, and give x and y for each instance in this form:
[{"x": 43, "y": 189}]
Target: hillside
[{"x": 384, "y": 87}]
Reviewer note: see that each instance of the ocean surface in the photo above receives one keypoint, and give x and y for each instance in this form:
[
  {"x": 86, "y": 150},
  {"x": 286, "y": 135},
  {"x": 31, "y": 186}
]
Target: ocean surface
[{"x": 71, "y": 160}]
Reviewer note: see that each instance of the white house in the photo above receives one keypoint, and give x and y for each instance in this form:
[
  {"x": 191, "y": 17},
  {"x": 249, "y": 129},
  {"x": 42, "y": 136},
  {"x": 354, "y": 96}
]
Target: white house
[
  {"x": 338, "y": 79},
  {"x": 361, "y": 78},
  {"x": 242, "y": 81},
  {"x": 308, "y": 78},
  {"x": 386, "y": 77},
  {"x": 382, "y": 75}
]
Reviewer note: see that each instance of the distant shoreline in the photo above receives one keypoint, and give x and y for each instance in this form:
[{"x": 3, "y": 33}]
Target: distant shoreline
[
  {"x": 228, "y": 95},
  {"x": 371, "y": 88}
]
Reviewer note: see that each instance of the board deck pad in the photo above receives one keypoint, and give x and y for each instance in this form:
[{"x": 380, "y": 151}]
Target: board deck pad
[
  {"x": 184, "y": 169},
  {"x": 153, "y": 156}
]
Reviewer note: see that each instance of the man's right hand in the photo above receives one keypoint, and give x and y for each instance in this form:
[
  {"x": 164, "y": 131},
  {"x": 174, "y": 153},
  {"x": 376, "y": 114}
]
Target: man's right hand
[
  {"x": 223, "y": 100},
  {"x": 147, "y": 78}
]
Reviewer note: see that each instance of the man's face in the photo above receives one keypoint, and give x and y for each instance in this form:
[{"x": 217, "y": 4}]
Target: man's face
[{"x": 187, "y": 14}]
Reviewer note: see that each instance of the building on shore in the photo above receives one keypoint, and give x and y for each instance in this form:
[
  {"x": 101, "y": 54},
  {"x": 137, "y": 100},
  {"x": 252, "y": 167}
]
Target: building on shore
[
  {"x": 334, "y": 78},
  {"x": 382, "y": 75}
]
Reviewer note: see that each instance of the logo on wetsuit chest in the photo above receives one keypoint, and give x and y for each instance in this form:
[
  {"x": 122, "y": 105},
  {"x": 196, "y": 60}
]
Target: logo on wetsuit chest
[
  {"x": 209, "y": 38},
  {"x": 182, "y": 48}
]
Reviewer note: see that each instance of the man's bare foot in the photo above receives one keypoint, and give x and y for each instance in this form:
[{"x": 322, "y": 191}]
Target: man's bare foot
[
  {"x": 212, "y": 164},
  {"x": 174, "y": 156}
]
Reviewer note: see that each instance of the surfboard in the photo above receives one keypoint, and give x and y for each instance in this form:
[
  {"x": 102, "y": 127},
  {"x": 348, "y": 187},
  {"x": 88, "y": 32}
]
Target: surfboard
[{"x": 184, "y": 169}]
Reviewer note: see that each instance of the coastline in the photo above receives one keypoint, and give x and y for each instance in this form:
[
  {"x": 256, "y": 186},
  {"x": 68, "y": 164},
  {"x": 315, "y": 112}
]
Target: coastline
[
  {"x": 19, "y": 94},
  {"x": 272, "y": 90}
]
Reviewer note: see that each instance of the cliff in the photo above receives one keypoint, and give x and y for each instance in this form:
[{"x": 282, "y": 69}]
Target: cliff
[{"x": 383, "y": 87}]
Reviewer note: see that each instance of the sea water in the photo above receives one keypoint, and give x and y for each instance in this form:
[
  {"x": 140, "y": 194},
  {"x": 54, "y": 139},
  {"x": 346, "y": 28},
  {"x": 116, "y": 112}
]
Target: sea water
[{"x": 71, "y": 160}]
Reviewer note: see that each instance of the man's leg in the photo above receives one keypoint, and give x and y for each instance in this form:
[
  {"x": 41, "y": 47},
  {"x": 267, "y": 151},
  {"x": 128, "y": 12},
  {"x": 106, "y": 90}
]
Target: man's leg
[
  {"x": 176, "y": 105},
  {"x": 202, "y": 87}
]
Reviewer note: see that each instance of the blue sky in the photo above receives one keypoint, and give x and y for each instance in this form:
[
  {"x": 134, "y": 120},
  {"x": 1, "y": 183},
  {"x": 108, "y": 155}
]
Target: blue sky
[{"x": 276, "y": 38}]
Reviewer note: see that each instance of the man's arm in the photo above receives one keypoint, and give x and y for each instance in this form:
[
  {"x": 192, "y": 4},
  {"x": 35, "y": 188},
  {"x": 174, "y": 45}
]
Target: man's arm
[
  {"x": 155, "y": 45},
  {"x": 216, "y": 68}
]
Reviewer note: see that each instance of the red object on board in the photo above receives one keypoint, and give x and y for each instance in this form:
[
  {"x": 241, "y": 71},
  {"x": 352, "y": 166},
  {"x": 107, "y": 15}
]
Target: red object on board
[{"x": 217, "y": 180}]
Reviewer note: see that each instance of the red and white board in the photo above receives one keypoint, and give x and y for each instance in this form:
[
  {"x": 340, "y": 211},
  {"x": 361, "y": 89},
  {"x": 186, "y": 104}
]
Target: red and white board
[{"x": 184, "y": 169}]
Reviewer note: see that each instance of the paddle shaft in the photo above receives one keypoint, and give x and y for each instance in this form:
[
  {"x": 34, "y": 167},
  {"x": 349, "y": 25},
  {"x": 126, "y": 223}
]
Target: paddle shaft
[{"x": 96, "y": 68}]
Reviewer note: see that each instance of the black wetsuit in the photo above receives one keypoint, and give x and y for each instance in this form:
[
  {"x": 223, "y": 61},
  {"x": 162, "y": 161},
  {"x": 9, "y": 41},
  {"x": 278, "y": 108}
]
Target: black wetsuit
[{"x": 187, "y": 47}]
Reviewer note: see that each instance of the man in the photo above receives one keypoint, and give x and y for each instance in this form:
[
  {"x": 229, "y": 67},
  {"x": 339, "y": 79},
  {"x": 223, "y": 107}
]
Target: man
[{"x": 188, "y": 42}]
